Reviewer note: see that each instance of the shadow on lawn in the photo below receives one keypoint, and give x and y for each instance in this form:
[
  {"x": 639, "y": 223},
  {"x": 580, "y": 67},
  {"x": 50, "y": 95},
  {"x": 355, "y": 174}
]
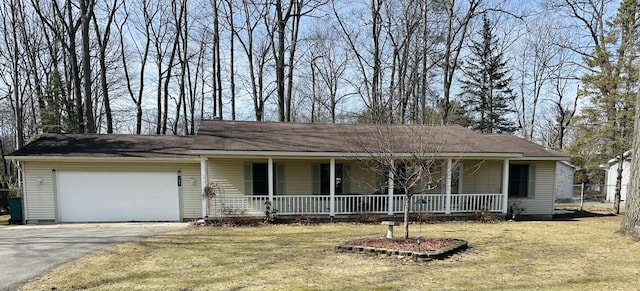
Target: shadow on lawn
[{"x": 572, "y": 215}]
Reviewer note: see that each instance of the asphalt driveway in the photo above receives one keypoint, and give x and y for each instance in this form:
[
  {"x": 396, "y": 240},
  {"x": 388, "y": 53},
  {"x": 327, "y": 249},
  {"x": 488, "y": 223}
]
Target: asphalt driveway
[{"x": 29, "y": 251}]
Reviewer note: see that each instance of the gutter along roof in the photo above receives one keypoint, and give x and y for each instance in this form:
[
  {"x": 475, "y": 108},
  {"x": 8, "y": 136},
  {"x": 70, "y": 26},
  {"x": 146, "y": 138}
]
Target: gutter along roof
[{"x": 102, "y": 146}]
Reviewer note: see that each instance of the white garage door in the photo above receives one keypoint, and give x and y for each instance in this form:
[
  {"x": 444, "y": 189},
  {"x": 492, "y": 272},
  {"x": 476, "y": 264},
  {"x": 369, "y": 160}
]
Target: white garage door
[{"x": 117, "y": 196}]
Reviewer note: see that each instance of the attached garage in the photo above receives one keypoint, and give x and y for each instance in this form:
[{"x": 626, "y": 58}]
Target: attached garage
[
  {"x": 117, "y": 196},
  {"x": 109, "y": 178}
]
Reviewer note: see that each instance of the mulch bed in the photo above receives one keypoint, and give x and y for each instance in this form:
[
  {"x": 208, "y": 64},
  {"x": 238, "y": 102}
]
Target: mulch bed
[{"x": 429, "y": 248}]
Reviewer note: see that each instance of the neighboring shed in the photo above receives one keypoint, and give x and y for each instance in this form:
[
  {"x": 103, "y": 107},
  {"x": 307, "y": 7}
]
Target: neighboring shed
[
  {"x": 564, "y": 180},
  {"x": 611, "y": 173}
]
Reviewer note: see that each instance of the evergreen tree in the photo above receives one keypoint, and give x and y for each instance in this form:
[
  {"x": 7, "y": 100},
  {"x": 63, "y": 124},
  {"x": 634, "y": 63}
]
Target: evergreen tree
[
  {"x": 51, "y": 107},
  {"x": 486, "y": 91},
  {"x": 457, "y": 113},
  {"x": 605, "y": 126},
  {"x": 57, "y": 113}
]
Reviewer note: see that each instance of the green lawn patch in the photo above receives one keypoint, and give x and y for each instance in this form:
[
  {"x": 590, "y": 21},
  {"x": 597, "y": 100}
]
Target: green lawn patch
[{"x": 581, "y": 254}]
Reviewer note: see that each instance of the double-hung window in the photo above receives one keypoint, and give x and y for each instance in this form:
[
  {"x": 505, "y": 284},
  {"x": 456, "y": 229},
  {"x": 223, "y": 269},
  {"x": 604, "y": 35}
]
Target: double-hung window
[
  {"x": 521, "y": 180},
  {"x": 256, "y": 179},
  {"x": 322, "y": 179}
]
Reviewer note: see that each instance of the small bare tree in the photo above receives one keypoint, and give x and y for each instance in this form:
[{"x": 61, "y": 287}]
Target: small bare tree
[
  {"x": 408, "y": 156},
  {"x": 211, "y": 190}
]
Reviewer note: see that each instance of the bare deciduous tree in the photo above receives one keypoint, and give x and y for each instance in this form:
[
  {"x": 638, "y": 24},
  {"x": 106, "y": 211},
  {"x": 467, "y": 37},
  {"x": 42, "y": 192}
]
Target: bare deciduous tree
[
  {"x": 458, "y": 21},
  {"x": 102, "y": 39},
  {"x": 409, "y": 157}
]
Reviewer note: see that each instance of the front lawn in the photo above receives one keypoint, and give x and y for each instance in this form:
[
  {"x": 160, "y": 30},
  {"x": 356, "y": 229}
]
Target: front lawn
[
  {"x": 4, "y": 220},
  {"x": 580, "y": 254}
]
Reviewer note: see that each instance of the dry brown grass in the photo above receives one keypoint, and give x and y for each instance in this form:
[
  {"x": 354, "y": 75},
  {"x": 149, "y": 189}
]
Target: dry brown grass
[
  {"x": 581, "y": 254},
  {"x": 4, "y": 220}
]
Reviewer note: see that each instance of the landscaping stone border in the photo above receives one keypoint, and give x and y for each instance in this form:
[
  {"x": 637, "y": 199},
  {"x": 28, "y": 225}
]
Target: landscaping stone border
[{"x": 439, "y": 254}]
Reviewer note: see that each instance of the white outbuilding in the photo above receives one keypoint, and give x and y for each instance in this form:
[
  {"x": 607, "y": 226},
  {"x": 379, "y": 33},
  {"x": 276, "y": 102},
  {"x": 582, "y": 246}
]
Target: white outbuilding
[
  {"x": 564, "y": 180},
  {"x": 611, "y": 173}
]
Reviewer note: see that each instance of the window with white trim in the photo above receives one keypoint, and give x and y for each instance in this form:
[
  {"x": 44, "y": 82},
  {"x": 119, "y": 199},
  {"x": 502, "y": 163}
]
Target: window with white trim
[
  {"x": 256, "y": 179},
  {"x": 322, "y": 179},
  {"x": 521, "y": 180}
]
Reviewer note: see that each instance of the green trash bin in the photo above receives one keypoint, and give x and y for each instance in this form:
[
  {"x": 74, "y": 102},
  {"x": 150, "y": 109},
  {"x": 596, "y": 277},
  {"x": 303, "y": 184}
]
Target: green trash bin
[{"x": 15, "y": 210}]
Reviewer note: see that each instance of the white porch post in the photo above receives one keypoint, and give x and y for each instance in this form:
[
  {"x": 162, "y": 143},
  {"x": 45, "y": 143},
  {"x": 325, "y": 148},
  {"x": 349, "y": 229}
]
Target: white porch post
[
  {"x": 505, "y": 186},
  {"x": 332, "y": 188},
  {"x": 204, "y": 179},
  {"x": 447, "y": 188},
  {"x": 390, "y": 191},
  {"x": 270, "y": 178}
]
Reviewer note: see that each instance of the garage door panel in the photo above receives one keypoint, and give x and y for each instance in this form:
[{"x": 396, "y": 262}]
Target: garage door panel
[{"x": 117, "y": 196}]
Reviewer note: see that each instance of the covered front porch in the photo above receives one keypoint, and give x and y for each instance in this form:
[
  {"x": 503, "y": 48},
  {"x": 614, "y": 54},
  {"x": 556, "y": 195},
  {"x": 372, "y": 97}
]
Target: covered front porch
[{"x": 485, "y": 188}]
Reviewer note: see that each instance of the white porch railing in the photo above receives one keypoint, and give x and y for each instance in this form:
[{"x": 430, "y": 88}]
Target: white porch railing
[
  {"x": 476, "y": 202},
  {"x": 353, "y": 204},
  {"x": 350, "y": 204},
  {"x": 434, "y": 203},
  {"x": 302, "y": 204}
]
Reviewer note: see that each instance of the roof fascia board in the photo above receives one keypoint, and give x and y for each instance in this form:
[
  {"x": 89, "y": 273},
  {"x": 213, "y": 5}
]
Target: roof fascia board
[
  {"x": 103, "y": 159},
  {"x": 219, "y": 153},
  {"x": 541, "y": 159}
]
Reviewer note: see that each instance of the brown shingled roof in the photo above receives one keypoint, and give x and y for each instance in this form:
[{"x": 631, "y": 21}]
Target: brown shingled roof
[
  {"x": 108, "y": 145},
  {"x": 247, "y": 136},
  {"x": 218, "y": 136}
]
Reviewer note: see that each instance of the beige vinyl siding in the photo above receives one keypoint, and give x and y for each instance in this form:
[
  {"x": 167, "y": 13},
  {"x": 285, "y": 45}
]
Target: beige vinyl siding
[
  {"x": 229, "y": 175},
  {"x": 297, "y": 176},
  {"x": 541, "y": 202},
  {"x": 191, "y": 196},
  {"x": 481, "y": 176},
  {"x": 40, "y": 200},
  {"x": 363, "y": 181}
]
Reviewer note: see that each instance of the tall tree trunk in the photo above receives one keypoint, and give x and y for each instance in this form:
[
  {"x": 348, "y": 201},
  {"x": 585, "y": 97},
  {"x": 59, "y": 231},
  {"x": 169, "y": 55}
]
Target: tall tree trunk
[
  {"x": 77, "y": 85},
  {"x": 631, "y": 223},
  {"x": 293, "y": 41},
  {"x": 86, "y": 9},
  {"x": 232, "y": 73},
  {"x": 17, "y": 105},
  {"x": 425, "y": 69},
  {"x": 159, "y": 92},
  {"x": 181, "y": 85},
  {"x": 280, "y": 25},
  {"x": 313, "y": 89},
  {"x": 102, "y": 41},
  {"x": 167, "y": 80},
  {"x": 617, "y": 196},
  {"x": 137, "y": 100},
  {"x": 218, "y": 67},
  {"x": 218, "y": 70},
  {"x": 453, "y": 46},
  {"x": 376, "y": 105},
  {"x": 172, "y": 56}
]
